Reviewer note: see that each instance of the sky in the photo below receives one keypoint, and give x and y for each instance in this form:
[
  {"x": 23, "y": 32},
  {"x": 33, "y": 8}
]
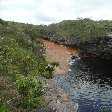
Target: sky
[{"x": 53, "y": 11}]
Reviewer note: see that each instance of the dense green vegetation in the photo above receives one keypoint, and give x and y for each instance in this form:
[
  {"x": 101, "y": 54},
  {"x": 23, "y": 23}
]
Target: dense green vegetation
[
  {"x": 79, "y": 31},
  {"x": 72, "y": 31},
  {"x": 21, "y": 65},
  {"x": 91, "y": 37}
]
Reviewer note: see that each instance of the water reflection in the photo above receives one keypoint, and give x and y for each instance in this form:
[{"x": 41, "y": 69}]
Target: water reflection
[{"x": 89, "y": 83}]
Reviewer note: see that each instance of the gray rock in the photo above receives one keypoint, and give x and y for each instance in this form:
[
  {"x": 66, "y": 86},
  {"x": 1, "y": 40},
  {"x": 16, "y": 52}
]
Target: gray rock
[{"x": 57, "y": 99}]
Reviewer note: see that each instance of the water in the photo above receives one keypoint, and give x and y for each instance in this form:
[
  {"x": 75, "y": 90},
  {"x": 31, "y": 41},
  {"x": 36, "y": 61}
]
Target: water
[{"x": 90, "y": 84}]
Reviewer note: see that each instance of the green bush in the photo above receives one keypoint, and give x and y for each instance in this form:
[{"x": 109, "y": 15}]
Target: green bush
[
  {"x": 31, "y": 90},
  {"x": 2, "y": 108}
]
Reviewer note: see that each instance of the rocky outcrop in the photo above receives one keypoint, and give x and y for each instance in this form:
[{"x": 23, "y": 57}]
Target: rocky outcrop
[
  {"x": 101, "y": 48},
  {"x": 62, "y": 41}
]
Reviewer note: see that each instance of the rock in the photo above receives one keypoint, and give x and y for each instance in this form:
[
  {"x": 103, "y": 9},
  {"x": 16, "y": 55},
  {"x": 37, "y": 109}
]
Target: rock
[
  {"x": 44, "y": 110},
  {"x": 57, "y": 99}
]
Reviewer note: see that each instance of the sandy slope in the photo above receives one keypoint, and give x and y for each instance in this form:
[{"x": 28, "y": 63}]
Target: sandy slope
[{"x": 58, "y": 53}]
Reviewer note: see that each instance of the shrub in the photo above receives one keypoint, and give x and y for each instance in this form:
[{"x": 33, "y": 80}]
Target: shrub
[
  {"x": 31, "y": 90},
  {"x": 21, "y": 61}
]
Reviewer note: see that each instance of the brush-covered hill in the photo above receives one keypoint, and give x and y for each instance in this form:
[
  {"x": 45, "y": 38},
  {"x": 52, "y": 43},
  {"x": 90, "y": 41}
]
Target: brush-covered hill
[{"x": 92, "y": 37}]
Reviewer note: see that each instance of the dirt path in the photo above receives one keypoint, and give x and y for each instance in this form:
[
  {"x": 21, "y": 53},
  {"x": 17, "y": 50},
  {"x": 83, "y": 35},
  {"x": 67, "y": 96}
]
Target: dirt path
[{"x": 59, "y": 53}]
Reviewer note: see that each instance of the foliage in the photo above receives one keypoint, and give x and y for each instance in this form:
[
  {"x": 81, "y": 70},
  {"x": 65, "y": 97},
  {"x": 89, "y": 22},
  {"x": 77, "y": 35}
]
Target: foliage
[
  {"x": 31, "y": 90},
  {"x": 2, "y": 108},
  {"x": 21, "y": 61},
  {"x": 79, "y": 31},
  {"x": 47, "y": 70}
]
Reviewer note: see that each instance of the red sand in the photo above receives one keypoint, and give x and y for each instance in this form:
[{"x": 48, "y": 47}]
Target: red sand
[{"x": 59, "y": 53}]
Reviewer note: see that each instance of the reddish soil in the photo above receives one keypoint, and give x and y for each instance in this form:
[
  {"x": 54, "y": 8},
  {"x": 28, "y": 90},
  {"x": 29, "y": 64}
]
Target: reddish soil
[{"x": 59, "y": 53}]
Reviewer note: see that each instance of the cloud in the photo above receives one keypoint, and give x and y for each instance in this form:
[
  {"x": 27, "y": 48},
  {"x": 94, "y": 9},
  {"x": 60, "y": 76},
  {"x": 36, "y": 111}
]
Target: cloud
[{"x": 51, "y": 11}]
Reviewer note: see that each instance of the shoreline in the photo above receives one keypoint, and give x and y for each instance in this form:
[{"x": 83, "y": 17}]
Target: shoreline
[
  {"x": 59, "y": 53},
  {"x": 56, "y": 98}
]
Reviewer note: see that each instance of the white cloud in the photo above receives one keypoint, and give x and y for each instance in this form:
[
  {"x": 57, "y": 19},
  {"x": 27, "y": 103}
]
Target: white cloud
[{"x": 48, "y": 11}]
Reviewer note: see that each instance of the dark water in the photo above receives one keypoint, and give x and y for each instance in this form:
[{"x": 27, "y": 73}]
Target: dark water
[{"x": 90, "y": 84}]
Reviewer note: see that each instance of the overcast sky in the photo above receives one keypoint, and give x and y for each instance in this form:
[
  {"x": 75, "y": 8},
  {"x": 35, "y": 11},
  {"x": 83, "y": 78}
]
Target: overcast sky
[{"x": 51, "y": 11}]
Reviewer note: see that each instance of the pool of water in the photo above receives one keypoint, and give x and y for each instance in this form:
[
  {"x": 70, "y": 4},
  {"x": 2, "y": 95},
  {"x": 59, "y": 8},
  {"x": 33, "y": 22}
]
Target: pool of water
[{"x": 90, "y": 84}]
